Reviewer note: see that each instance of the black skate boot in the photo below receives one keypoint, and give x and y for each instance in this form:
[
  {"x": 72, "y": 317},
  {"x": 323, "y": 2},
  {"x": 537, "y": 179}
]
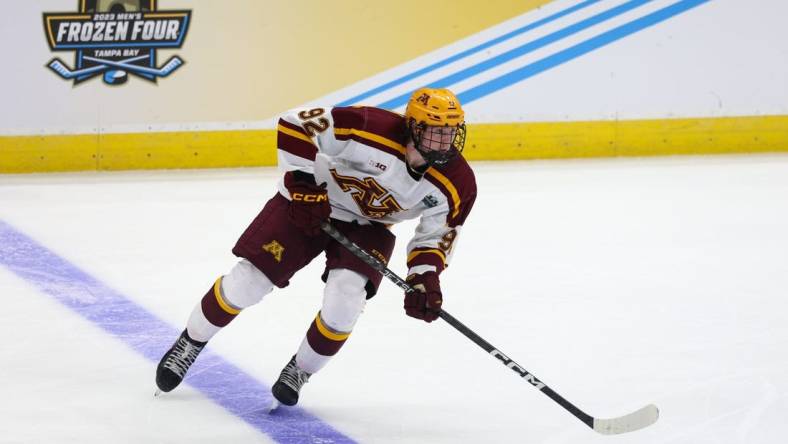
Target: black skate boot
[
  {"x": 289, "y": 384},
  {"x": 174, "y": 364}
]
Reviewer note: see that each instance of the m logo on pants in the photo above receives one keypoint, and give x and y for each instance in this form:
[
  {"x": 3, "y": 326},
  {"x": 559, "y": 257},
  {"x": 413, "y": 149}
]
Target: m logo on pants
[{"x": 276, "y": 249}]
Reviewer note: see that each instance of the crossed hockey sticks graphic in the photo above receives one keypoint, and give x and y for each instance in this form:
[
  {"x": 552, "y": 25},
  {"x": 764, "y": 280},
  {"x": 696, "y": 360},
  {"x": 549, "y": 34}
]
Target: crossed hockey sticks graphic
[{"x": 127, "y": 64}]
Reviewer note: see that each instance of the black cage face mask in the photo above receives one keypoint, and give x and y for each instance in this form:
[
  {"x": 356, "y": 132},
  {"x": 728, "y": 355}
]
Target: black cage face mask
[{"x": 436, "y": 144}]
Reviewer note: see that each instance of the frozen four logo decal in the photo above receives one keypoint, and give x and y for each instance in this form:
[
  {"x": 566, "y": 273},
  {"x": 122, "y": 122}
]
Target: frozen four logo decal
[{"x": 115, "y": 38}]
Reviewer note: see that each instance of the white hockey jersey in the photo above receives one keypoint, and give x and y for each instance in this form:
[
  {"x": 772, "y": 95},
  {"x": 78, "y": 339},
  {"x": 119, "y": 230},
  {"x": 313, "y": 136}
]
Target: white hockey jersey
[{"x": 359, "y": 152}]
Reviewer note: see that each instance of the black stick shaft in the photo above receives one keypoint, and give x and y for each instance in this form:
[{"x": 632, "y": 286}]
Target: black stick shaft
[{"x": 459, "y": 326}]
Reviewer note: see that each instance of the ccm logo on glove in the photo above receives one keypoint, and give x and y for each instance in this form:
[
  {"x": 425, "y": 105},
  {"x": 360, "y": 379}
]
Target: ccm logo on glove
[
  {"x": 320, "y": 197},
  {"x": 309, "y": 206}
]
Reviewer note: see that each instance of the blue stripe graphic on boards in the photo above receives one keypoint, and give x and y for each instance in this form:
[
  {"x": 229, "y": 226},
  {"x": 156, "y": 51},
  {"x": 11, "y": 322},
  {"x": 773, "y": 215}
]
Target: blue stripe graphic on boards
[
  {"x": 214, "y": 377},
  {"x": 521, "y": 50},
  {"x": 466, "y": 53},
  {"x": 577, "y": 50}
]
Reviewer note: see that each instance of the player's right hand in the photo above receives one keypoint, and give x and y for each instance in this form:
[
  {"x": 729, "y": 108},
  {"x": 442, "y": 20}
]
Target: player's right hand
[
  {"x": 309, "y": 206},
  {"x": 425, "y": 301}
]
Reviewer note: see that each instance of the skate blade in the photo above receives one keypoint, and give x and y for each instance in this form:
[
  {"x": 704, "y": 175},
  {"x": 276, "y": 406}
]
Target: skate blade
[
  {"x": 274, "y": 405},
  {"x": 158, "y": 393}
]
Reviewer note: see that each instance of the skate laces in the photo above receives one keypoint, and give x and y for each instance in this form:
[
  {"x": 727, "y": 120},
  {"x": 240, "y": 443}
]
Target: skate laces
[
  {"x": 293, "y": 377},
  {"x": 182, "y": 357}
]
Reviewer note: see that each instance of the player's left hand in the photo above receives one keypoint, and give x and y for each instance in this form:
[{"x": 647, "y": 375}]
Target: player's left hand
[
  {"x": 309, "y": 207},
  {"x": 425, "y": 302}
]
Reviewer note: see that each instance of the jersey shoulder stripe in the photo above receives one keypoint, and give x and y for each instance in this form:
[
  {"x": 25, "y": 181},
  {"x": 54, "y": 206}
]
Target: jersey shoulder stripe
[
  {"x": 458, "y": 183},
  {"x": 294, "y": 140},
  {"x": 290, "y": 127},
  {"x": 386, "y": 124},
  {"x": 373, "y": 127},
  {"x": 349, "y": 116},
  {"x": 372, "y": 140}
]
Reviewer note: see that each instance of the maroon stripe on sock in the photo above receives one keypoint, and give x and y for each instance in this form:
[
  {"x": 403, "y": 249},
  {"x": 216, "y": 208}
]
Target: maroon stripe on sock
[
  {"x": 213, "y": 311},
  {"x": 321, "y": 344}
]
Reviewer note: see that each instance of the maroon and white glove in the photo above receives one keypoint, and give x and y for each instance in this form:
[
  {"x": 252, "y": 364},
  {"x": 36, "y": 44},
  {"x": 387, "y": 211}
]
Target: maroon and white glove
[
  {"x": 309, "y": 205},
  {"x": 425, "y": 302}
]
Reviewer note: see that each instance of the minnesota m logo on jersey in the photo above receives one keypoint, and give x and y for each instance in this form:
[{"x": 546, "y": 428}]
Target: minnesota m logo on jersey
[{"x": 372, "y": 199}]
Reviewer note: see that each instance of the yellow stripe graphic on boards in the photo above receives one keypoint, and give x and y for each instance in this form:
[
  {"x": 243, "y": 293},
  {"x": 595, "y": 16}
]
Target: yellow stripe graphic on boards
[{"x": 506, "y": 141}]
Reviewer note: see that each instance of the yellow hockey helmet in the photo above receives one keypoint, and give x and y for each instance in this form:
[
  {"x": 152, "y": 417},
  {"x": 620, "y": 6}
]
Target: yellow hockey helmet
[{"x": 435, "y": 107}]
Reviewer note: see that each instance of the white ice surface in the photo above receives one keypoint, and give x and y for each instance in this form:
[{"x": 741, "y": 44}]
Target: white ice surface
[{"x": 617, "y": 282}]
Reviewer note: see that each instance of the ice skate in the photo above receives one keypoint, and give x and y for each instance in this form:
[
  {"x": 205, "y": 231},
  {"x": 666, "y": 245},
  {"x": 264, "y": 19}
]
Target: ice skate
[
  {"x": 288, "y": 386},
  {"x": 176, "y": 362}
]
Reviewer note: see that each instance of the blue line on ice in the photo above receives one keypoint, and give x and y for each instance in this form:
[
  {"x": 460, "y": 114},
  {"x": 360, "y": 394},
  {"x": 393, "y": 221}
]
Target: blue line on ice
[{"x": 222, "y": 382}]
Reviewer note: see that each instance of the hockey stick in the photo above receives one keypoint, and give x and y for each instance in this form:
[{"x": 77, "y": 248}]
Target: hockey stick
[
  {"x": 172, "y": 64},
  {"x": 636, "y": 420},
  {"x": 58, "y": 66}
]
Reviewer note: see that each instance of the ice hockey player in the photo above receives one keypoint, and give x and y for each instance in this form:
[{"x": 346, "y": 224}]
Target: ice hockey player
[{"x": 362, "y": 169}]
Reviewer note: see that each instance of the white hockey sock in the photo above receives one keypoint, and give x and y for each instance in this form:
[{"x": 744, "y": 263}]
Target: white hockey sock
[
  {"x": 242, "y": 287},
  {"x": 309, "y": 360},
  {"x": 199, "y": 327},
  {"x": 344, "y": 299}
]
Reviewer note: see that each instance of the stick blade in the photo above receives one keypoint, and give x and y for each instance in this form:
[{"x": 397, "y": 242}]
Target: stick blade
[
  {"x": 173, "y": 64},
  {"x": 57, "y": 66},
  {"x": 628, "y": 423}
]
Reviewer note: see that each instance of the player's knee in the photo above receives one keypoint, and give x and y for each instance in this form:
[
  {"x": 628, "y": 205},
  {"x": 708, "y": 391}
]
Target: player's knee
[
  {"x": 245, "y": 285},
  {"x": 344, "y": 299}
]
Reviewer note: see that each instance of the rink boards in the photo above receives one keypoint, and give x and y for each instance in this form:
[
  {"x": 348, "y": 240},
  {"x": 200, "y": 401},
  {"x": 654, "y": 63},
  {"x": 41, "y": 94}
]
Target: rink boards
[
  {"x": 540, "y": 140},
  {"x": 538, "y": 79}
]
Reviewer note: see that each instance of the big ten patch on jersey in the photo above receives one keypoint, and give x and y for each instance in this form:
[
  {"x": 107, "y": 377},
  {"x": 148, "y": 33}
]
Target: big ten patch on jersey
[
  {"x": 379, "y": 165},
  {"x": 369, "y": 160}
]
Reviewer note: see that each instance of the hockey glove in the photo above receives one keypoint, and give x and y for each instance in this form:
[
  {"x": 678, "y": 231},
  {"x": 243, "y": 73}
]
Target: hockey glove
[
  {"x": 309, "y": 205},
  {"x": 425, "y": 302}
]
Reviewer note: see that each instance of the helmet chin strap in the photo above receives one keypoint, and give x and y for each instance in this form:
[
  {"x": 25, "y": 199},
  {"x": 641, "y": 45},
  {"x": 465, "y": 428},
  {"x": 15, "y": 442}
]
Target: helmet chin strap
[{"x": 437, "y": 158}]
